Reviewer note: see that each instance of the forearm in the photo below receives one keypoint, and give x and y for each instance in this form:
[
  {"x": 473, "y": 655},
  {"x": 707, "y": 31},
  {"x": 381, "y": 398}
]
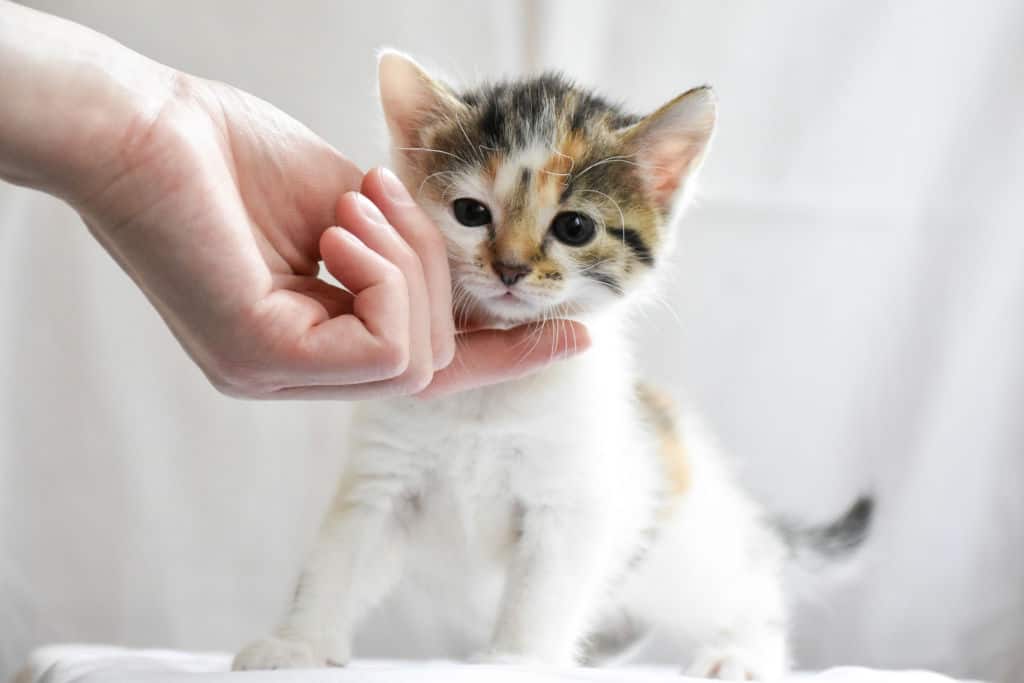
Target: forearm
[{"x": 71, "y": 101}]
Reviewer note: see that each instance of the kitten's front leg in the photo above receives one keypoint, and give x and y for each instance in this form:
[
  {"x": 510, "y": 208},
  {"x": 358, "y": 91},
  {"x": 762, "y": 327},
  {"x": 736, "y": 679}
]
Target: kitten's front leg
[
  {"x": 559, "y": 567},
  {"x": 356, "y": 561}
]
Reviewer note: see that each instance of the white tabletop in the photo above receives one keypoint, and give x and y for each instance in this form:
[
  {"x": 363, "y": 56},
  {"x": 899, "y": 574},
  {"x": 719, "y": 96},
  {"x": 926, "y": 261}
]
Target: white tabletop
[{"x": 102, "y": 664}]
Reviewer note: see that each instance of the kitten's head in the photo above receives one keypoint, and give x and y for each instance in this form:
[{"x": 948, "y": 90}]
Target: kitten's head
[{"x": 553, "y": 201}]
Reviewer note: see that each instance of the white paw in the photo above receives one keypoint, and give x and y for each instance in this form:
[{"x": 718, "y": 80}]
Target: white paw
[
  {"x": 736, "y": 664},
  {"x": 275, "y": 653}
]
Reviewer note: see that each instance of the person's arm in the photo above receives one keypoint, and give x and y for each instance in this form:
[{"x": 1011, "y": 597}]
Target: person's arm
[
  {"x": 218, "y": 206},
  {"x": 71, "y": 100}
]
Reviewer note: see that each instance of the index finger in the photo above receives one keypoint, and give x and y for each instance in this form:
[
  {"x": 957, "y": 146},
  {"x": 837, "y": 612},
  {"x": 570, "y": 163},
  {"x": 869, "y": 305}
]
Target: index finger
[
  {"x": 369, "y": 344},
  {"x": 420, "y": 233}
]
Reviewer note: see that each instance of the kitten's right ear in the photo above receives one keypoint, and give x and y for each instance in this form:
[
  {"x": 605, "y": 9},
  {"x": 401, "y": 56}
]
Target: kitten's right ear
[
  {"x": 411, "y": 98},
  {"x": 670, "y": 144}
]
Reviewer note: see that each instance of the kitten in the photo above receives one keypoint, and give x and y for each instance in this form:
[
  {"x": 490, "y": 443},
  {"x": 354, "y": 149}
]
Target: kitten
[{"x": 554, "y": 517}]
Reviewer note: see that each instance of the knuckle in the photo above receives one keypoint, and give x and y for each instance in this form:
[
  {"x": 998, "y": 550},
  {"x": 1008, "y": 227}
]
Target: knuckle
[
  {"x": 237, "y": 378},
  {"x": 393, "y": 358},
  {"x": 235, "y": 391},
  {"x": 233, "y": 387},
  {"x": 428, "y": 393},
  {"x": 392, "y": 275},
  {"x": 444, "y": 352},
  {"x": 417, "y": 379}
]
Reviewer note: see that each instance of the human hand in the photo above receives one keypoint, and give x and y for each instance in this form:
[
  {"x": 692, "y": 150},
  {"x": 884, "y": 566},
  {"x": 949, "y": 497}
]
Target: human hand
[
  {"x": 221, "y": 215},
  {"x": 218, "y": 206}
]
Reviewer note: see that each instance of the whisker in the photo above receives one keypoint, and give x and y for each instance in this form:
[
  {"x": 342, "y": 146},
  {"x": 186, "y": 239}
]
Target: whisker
[
  {"x": 559, "y": 331},
  {"x": 535, "y": 336},
  {"x": 622, "y": 216},
  {"x": 596, "y": 264},
  {"x": 419, "y": 191},
  {"x": 658, "y": 299},
  {"x": 458, "y": 122},
  {"x": 624, "y": 159},
  {"x": 572, "y": 163},
  {"x": 461, "y": 309},
  {"x": 563, "y": 328},
  {"x": 575, "y": 345},
  {"x": 448, "y": 191},
  {"x": 434, "y": 151}
]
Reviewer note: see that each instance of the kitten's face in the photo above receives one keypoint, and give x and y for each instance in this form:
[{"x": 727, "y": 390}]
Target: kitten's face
[{"x": 553, "y": 202}]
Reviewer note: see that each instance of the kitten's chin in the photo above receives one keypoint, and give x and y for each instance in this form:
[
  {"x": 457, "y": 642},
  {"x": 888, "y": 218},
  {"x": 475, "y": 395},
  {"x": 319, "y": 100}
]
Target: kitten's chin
[
  {"x": 508, "y": 311},
  {"x": 502, "y": 311},
  {"x": 492, "y": 308}
]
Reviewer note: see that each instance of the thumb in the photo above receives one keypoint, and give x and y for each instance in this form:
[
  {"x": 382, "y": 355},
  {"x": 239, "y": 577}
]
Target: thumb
[{"x": 491, "y": 356}]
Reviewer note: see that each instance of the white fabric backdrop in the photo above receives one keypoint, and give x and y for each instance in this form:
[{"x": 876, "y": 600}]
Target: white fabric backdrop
[{"x": 850, "y": 303}]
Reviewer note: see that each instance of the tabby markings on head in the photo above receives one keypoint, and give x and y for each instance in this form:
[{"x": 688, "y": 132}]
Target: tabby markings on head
[{"x": 575, "y": 189}]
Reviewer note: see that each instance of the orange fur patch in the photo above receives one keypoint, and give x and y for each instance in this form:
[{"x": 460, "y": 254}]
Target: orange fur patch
[
  {"x": 554, "y": 175},
  {"x": 660, "y": 412},
  {"x": 490, "y": 170},
  {"x": 514, "y": 243}
]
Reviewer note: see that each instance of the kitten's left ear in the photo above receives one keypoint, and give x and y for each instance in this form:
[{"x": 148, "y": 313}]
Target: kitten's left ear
[
  {"x": 411, "y": 98},
  {"x": 670, "y": 144}
]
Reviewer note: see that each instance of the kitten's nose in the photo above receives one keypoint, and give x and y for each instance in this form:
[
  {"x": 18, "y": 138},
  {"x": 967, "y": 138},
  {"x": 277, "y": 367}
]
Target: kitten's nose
[{"x": 511, "y": 273}]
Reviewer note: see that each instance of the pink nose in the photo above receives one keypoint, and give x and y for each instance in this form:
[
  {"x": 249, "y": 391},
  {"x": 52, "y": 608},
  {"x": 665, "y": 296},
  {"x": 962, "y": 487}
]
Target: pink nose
[{"x": 511, "y": 273}]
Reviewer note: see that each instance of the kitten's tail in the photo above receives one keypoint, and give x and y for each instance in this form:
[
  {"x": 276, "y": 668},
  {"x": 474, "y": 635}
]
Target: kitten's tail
[{"x": 834, "y": 541}]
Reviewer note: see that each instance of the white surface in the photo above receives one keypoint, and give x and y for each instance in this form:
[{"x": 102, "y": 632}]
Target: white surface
[
  {"x": 84, "y": 664},
  {"x": 850, "y": 296}
]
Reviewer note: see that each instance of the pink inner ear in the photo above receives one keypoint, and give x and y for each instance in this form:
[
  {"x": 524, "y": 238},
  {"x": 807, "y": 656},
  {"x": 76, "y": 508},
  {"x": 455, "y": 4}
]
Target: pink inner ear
[
  {"x": 663, "y": 186},
  {"x": 670, "y": 162}
]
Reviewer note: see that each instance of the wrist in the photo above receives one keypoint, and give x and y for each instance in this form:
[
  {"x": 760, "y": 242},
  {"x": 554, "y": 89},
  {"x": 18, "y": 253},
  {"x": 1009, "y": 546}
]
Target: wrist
[{"x": 73, "y": 101}]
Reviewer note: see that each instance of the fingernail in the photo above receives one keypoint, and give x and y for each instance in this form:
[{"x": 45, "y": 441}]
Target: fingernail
[
  {"x": 369, "y": 210},
  {"x": 394, "y": 189}
]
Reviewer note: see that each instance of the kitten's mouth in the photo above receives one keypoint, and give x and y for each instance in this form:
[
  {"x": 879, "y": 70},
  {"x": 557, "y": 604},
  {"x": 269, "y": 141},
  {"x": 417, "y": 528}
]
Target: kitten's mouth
[
  {"x": 491, "y": 304},
  {"x": 509, "y": 306}
]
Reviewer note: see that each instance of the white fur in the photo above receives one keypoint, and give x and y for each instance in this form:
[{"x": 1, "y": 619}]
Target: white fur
[
  {"x": 537, "y": 513},
  {"x": 520, "y": 508}
]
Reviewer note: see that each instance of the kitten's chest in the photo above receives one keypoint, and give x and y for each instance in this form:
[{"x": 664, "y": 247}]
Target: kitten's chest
[
  {"x": 463, "y": 520},
  {"x": 473, "y": 462}
]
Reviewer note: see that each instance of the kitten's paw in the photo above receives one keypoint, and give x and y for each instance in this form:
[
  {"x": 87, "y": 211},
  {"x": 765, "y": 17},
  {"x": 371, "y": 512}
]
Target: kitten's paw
[
  {"x": 275, "y": 653},
  {"x": 736, "y": 664}
]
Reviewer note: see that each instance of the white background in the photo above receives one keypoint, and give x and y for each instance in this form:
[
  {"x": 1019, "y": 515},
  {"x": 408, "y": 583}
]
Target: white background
[{"x": 849, "y": 314}]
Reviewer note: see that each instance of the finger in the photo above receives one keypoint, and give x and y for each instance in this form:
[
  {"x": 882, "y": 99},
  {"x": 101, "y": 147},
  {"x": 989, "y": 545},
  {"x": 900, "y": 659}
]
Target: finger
[
  {"x": 370, "y": 277},
  {"x": 483, "y": 358},
  {"x": 360, "y": 216},
  {"x": 352, "y": 392},
  {"x": 420, "y": 233},
  {"x": 371, "y": 343},
  {"x": 472, "y": 320},
  {"x": 491, "y": 356},
  {"x": 335, "y": 300}
]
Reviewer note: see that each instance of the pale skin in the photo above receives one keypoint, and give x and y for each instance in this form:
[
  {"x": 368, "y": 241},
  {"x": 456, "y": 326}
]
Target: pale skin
[{"x": 220, "y": 208}]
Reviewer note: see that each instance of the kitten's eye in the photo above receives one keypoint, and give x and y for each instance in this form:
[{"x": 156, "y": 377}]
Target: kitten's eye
[
  {"x": 471, "y": 212},
  {"x": 574, "y": 229}
]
